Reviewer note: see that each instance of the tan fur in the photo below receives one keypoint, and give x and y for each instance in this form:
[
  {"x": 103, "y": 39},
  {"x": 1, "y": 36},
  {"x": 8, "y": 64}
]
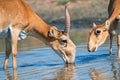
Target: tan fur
[
  {"x": 20, "y": 16},
  {"x": 109, "y": 27}
]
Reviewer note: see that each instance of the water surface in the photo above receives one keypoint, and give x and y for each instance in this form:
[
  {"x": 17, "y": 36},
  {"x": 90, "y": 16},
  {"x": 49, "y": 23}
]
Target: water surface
[
  {"x": 37, "y": 63},
  {"x": 44, "y": 64}
]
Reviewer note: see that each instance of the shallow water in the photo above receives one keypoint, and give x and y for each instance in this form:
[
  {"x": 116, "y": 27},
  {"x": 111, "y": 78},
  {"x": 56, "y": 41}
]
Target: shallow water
[
  {"x": 37, "y": 63},
  {"x": 44, "y": 64}
]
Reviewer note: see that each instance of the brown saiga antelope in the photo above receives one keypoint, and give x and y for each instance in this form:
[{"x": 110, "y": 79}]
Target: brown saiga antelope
[
  {"x": 18, "y": 20},
  {"x": 111, "y": 27}
]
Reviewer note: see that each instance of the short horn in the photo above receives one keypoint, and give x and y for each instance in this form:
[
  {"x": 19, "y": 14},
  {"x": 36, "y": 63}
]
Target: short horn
[{"x": 67, "y": 20}]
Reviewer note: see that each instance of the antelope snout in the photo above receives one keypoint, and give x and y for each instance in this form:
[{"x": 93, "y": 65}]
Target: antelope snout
[
  {"x": 70, "y": 61},
  {"x": 92, "y": 49}
]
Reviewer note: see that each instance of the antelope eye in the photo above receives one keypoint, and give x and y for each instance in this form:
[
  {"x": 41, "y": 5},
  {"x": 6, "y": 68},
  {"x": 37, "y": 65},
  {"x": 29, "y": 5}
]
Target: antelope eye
[
  {"x": 64, "y": 41},
  {"x": 97, "y": 32}
]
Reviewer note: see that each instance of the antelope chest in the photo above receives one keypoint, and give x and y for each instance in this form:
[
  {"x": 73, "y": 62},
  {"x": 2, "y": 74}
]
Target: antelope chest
[{"x": 115, "y": 29}]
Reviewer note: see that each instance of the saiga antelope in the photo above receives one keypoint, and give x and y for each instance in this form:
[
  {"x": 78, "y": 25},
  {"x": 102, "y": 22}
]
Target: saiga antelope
[
  {"x": 111, "y": 27},
  {"x": 17, "y": 20}
]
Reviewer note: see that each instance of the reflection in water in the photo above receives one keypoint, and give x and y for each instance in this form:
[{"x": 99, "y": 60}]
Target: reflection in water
[
  {"x": 114, "y": 69},
  {"x": 94, "y": 74},
  {"x": 67, "y": 73},
  {"x": 98, "y": 75},
  {"x": 119, "y": 70},
  {"x": 9, "y": 77}
]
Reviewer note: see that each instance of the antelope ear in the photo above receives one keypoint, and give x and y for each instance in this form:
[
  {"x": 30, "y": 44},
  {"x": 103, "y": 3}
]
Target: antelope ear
[
  {"x": 94, "y": 25},
  {"x": 53, "y": 32},
  {"x": 107, "y": 24}
]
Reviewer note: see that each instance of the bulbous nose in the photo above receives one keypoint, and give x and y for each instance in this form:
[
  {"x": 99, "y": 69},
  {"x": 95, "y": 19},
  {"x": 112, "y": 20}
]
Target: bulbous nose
[{"x": 89, "y": 50}]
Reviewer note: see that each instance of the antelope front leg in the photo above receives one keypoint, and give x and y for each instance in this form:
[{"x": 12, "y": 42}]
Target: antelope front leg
[
  {"x": 15, "y": 34},
  {"x": 111, "y": 37},
  {"x": 118, "y": 42}
]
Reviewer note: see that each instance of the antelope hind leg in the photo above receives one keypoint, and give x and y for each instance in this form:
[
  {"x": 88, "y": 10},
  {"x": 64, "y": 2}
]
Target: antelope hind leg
[
  {"x": 8, "y": 51},
  {"x": 118, "y": 43}
]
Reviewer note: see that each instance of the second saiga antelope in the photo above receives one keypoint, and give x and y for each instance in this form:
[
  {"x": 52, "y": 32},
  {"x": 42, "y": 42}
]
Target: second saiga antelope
[
  {"x": 111, "y": 27},
  {"x": 17, "y": 20}
]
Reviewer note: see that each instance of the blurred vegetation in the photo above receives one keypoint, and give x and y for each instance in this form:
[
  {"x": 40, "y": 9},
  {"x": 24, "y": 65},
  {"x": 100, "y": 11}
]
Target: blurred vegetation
[
  {"x": 77, "y": 36},
  {"x": 83, "y": 12},
  {"x": 63, "y": 2}
]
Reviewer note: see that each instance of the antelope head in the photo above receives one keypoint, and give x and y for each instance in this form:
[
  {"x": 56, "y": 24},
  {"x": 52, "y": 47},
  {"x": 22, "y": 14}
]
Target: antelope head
[
  {"x": 98, "y": 35},
  {"x": 61, "y": 42}
]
